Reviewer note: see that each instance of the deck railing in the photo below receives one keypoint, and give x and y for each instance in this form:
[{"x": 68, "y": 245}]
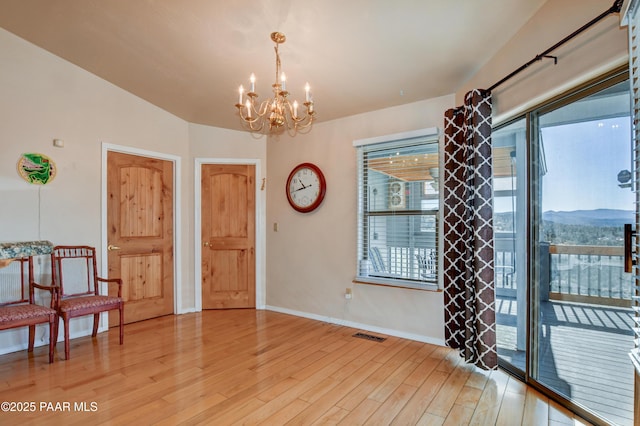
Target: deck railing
[
  {"x": 412, "y": 263},
  {"x": 585, "y": 273},
  {"x": 593, "y": 271},
  {"x": 592, "y": 274}
]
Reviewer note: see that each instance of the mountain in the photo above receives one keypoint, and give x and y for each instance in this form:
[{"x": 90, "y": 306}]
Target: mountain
[{"x": 597, "y": 217}]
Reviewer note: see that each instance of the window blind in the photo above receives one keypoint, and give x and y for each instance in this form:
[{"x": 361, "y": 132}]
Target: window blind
[{"x": 398, "y": 206}]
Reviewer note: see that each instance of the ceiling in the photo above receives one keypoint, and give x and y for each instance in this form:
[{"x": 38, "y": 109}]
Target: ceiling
[
  {"x": 188, "y": 57},
  {"x": 425, "y": 166}
]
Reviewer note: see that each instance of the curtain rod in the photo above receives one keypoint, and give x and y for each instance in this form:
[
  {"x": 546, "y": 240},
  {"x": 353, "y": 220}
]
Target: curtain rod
[{"x": 617, "y": 6}]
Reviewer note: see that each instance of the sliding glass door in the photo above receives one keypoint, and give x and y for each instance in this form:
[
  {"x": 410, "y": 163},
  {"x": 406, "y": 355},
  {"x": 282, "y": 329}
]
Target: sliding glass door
[
  {"x": 581, "y": 315},
  {"x": 563, "y": 193},
  {"x": 510, "y": 227}
]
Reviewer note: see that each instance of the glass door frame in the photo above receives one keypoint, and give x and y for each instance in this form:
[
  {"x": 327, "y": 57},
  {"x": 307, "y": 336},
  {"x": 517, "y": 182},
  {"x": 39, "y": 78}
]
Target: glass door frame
[
  {"x": 519, "y": 193},
  {"x": 530, "y": 277}
]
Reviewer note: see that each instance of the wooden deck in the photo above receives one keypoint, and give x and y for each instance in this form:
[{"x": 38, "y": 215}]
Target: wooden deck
[
  {"x": 261, "y": 367},
  {"x": 583, "y": 354}
]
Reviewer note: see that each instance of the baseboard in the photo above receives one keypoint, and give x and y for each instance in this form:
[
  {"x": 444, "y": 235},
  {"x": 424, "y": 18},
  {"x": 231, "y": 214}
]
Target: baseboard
[
  {"x": 359, "y": 326},
  {"x": 330, "y": 320},
  {"x": 16, "y": 348},
  {"x": 41, "y": 342},
  {"x": 187, "y": 311}
]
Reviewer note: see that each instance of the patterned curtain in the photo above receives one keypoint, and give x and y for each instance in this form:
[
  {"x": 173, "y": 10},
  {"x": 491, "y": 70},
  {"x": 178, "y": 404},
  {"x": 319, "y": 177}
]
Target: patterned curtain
[{"x": 469, "y": 294}]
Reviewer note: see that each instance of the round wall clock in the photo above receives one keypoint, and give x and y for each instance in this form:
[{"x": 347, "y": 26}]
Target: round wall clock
[{"x": 306, "y": 187}]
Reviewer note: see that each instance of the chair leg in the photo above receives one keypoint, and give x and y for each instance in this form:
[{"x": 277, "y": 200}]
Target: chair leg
[
  {"x": 121, "y": 308},
  {"x": 65, "y": 319},
  {"x": 52, "y": 342},
  {"x": 96, "y": 321},
  {"x": 56, "y": 327},
  {"x": 32, "y": 337}
]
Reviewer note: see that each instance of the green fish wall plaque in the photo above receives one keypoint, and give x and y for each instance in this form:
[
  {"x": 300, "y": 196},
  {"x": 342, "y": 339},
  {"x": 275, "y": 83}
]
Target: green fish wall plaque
[{"x": 36, "y": 168}]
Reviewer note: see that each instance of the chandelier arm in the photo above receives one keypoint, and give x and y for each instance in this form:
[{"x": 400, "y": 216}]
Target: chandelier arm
[
  {"x": 256, "y": 128},
  {"x": 304, "y": 125},
  {"x": 245, "y": 117},
  {"x": 299, "y": 128},
  {"x": 251, "y": 125},
  {"x": 287, "y": 104},
  {"x": 298, "y": 120},
  {"x": 262, "y": 110},
  {"x": 308, "y": 116}
]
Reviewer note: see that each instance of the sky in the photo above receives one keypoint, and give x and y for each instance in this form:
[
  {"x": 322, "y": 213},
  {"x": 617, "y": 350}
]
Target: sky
[{"x": 583, "y": 161}]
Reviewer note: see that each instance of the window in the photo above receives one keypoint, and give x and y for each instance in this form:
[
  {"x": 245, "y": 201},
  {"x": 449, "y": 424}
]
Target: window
[{"x": 398, "y": 205}]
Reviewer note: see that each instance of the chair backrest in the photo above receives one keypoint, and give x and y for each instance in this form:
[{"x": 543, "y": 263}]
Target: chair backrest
[
  {"x": 376, "y": 260},
  {"x": 427, "y": 263},
  {"x": 14, "y": 282},
  {"x": 73, "y": 270}
]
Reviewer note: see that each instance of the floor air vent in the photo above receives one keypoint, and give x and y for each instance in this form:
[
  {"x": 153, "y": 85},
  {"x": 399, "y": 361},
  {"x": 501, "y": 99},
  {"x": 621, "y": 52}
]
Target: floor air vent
[{"x": 370, "y": 337}]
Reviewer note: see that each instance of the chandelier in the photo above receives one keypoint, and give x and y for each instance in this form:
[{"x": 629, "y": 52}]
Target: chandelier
[{"x": 277, "y": 114}]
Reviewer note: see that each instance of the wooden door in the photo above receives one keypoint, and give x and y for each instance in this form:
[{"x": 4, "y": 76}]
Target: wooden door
[
  {"x": 140, "y": 233},
  {"x": 228, "y": 236}
]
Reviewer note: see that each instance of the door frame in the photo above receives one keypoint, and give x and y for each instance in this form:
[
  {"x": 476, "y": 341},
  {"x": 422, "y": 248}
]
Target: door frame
[
  {"x": 260, "y": 219},
  {"x": 530, "y": 115},
  {"x": 177, "y": 234}
]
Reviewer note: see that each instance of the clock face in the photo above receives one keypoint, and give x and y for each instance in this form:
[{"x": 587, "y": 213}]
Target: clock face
[{"x": 306, "y": 187}]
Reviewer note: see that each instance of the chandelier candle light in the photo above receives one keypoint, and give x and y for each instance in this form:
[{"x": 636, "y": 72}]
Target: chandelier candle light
[{"x": 278, "y": 111}]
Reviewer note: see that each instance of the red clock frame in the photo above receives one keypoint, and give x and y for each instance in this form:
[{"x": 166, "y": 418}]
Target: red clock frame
[{"x": 323, "y": 187}]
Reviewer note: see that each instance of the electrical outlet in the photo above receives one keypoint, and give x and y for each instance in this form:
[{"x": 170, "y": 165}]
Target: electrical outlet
[{"x": 348, "y": 294}]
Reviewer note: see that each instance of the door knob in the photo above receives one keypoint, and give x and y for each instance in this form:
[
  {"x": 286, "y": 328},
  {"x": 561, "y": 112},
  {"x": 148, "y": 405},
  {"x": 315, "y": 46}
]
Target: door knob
[
  {"x": 206, "y": 244},
  {"x": 111, "y": 247}
]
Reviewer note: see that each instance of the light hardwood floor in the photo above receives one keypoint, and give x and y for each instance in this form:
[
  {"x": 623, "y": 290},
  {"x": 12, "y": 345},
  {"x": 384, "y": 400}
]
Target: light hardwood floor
[{"x": 261, "y": 367}]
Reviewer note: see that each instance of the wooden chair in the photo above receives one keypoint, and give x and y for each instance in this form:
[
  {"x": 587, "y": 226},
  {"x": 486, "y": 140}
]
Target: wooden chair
[
  {"x": 74, "y": 273},
  {"x": 377, "y": 261},
  {"x": 427, "y": 264},
  {"x": 17, "y": 309}
]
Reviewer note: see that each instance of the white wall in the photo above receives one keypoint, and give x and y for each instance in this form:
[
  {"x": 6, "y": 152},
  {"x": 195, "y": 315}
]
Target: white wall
[
  {"x": 43, "y": 97},
  {"x": 597, "y": 50},
  {"x": 311, "y": 259}
]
